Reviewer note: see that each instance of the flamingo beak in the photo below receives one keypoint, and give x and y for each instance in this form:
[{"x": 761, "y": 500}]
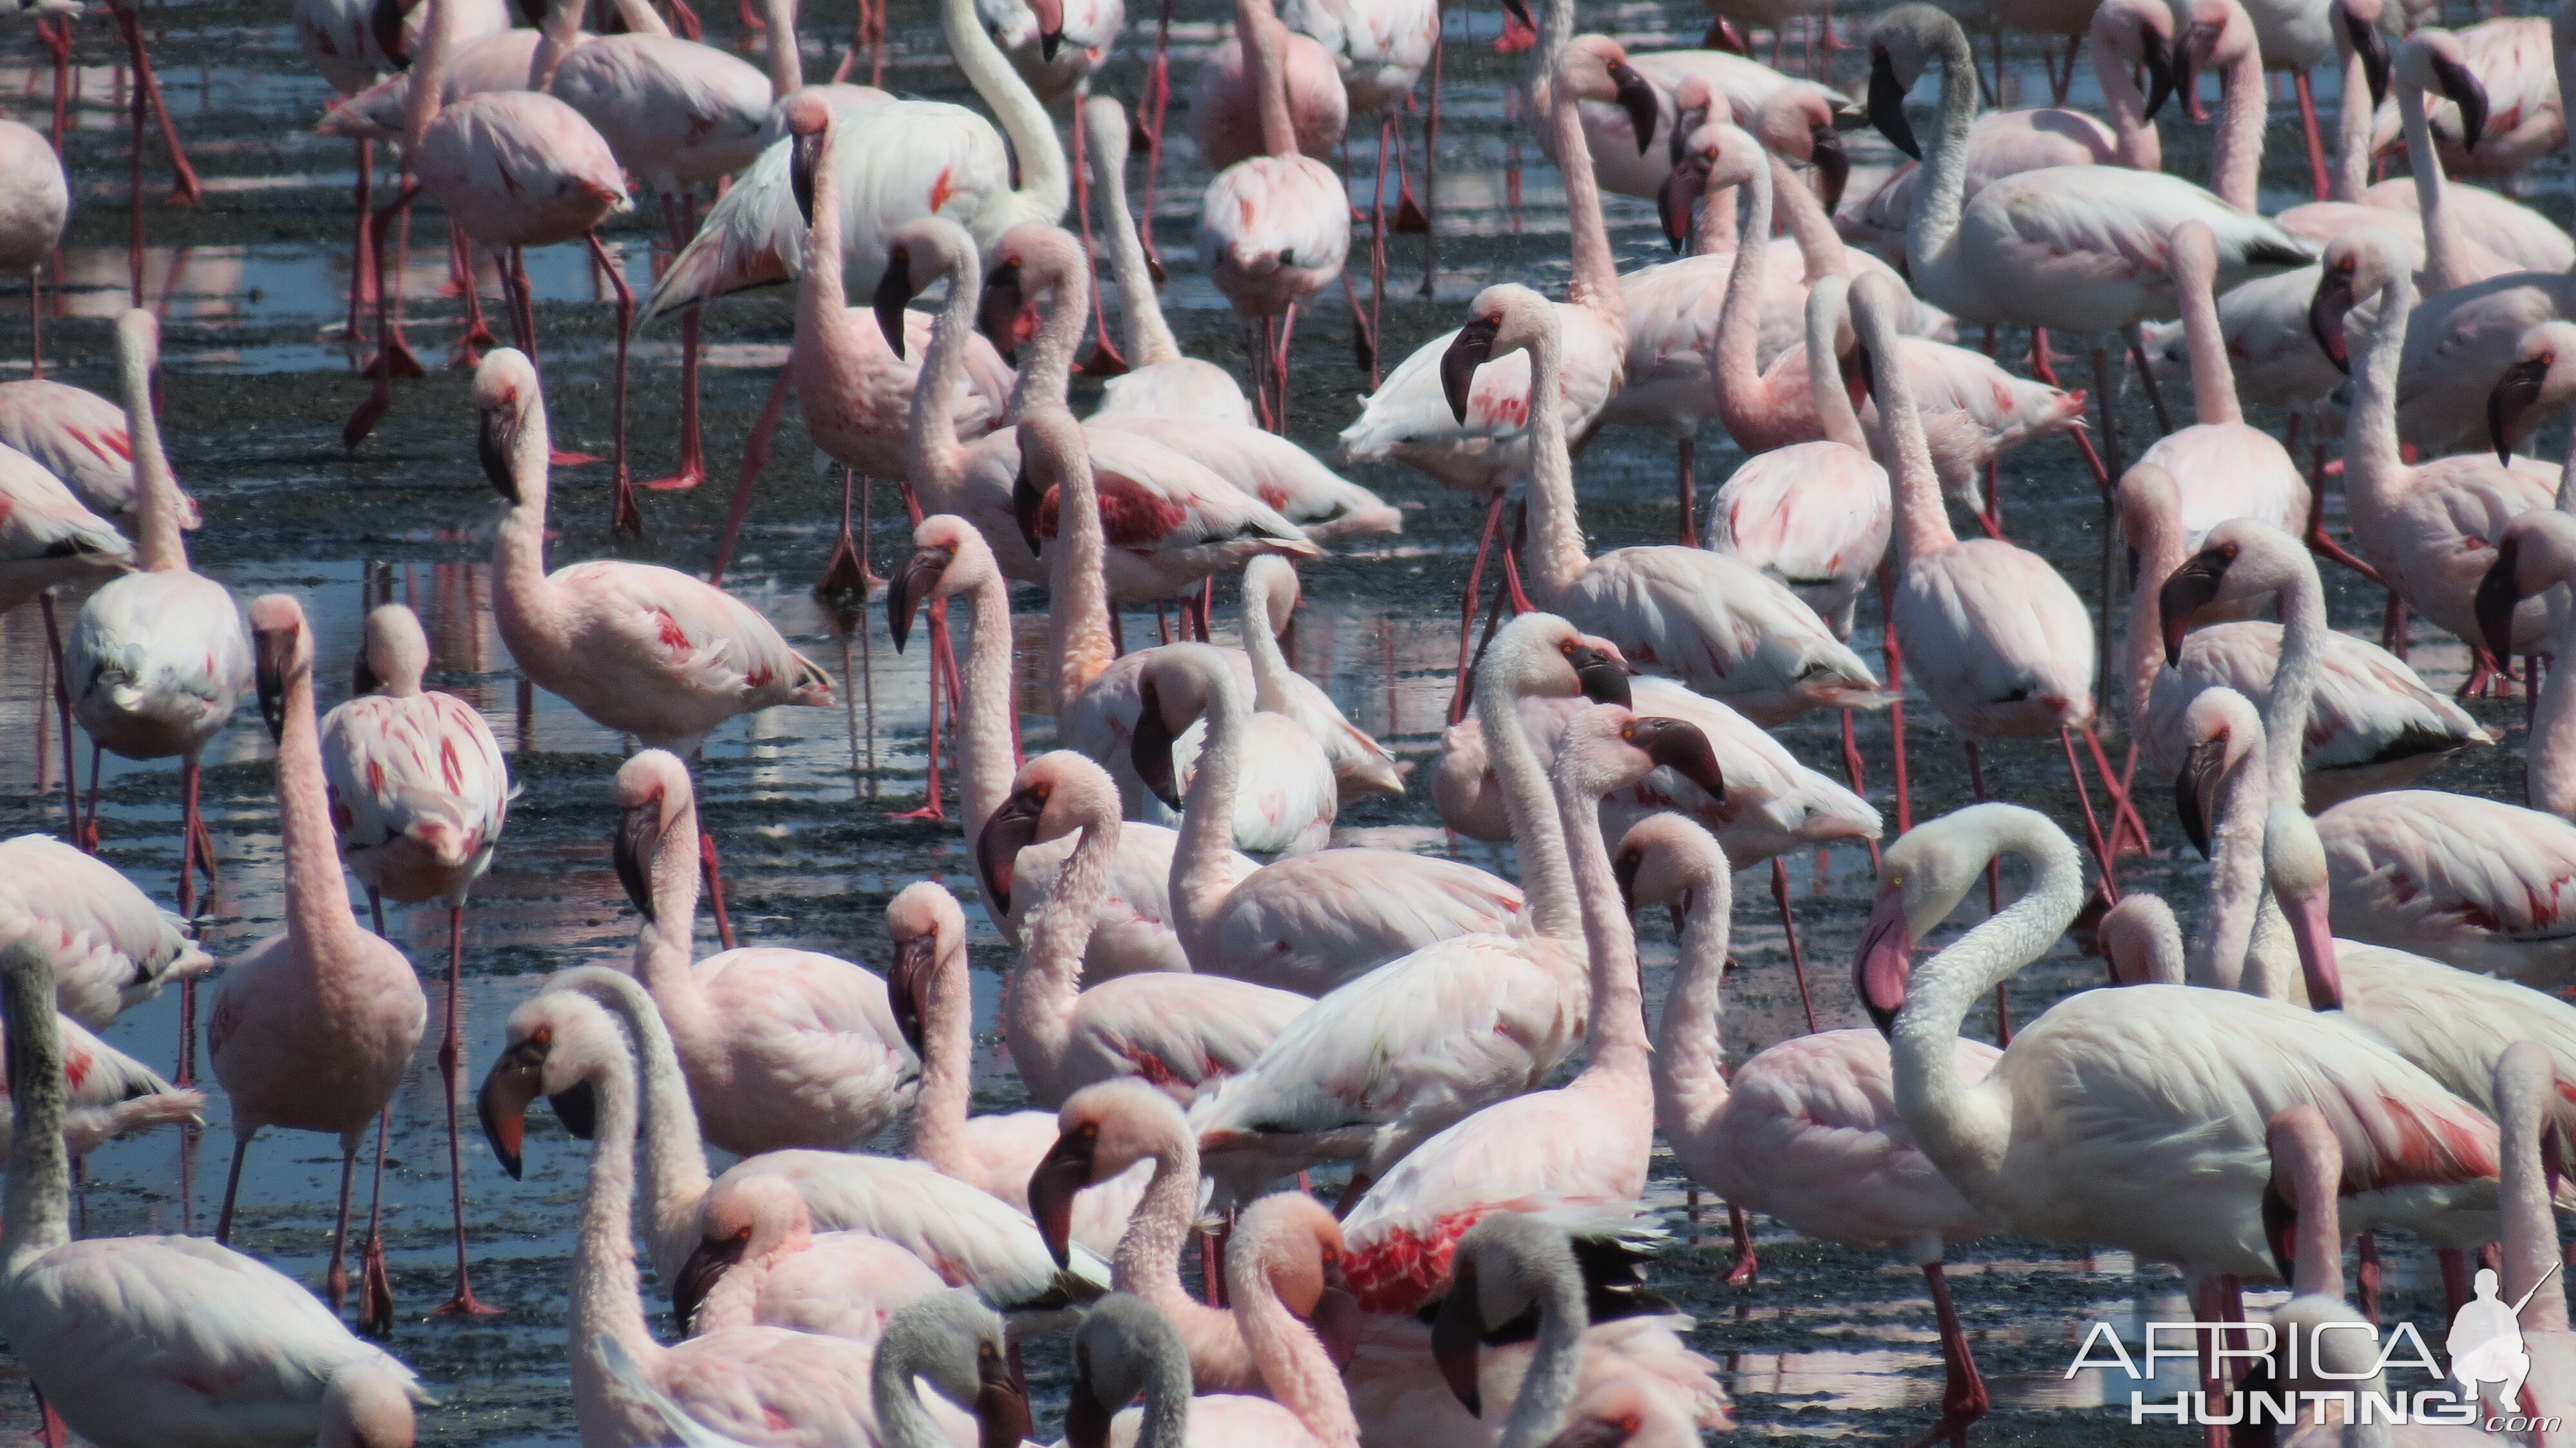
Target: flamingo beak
[
  {"x": 2186, "y": 64},
  {"x": 700, "y": 1273},
  {"x": 1472, "y": 348},
  {"x": 502, "y": 1102},
  {"x": 1050, "y": 18},
  {"x": 893, "y": 296},
  {"x": 804, "y": 157},
  {"x": 1151, "y": 749},
  {"x": 1833, "y": 166},
  {"x": 577, "y": 1107},
  {"x": 1683, "y": 187},
  {"x": 492, "y": 438},
  {"x": 2463, "y": 90},
  {"x": 1600, "y": 673},
  {"x": 912, "y": 585},
  {"x": 2187, "y": 592},
  {"x": 639, "y": 830},
  {"x": 1638, "y": 99},
  {"x": 997, "y": 312},
  {"x": 1001, "y": 1409},
  {"x": 1678, "y": 745},
  {"x": 2160, "y": 74},
  {"x": 2202, "y": 766},
  {"x": 1028, "y": 507},
  {"x": 2513, "y": 395},
  {"x": 273, "y": 653},
  {"x": 1457, "y": 1336},
  {"x": 916, "y": 965},
  {"x": 1887, "y": 104},
  {"x": 2312, "y": 931},
  {"x": 1012, "y": 828},
  {"x": 1086, "y": 1419},
  {"x": 1060, "y": 1176},
  {"x": 385, "y": 26},
  {"x": 1886, "y": 959},
  {"x": 2326, "y": 312},
  {"x": 2372, "y": 47},
  {"x": 2499, "y": 593}
]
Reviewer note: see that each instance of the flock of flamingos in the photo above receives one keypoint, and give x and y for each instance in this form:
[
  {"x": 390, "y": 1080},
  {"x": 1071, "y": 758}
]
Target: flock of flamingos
[{"x": 2359, "y": 1033}]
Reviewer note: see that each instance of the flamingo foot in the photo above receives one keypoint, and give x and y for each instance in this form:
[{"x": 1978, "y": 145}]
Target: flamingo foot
[
  {"x": 1104, "y": 362},
  {"x": 846, "y": 578},
  {"x": 369, "y": 413},
  {"x": 335, "y": 1283},
  {"x": 680, "y": 482},
  {"x": 1747, "y": 1265},
  {"x": 1410, "y": 220},
  {"x": 933, "y": 812},
  {"x": 624, "y": 516},
  {"x": 376, "y": 1290},
  {"x": 464, "y": 1304},
  {"x": 399, "y": 359},
  {"x": 558, "y": 458}
]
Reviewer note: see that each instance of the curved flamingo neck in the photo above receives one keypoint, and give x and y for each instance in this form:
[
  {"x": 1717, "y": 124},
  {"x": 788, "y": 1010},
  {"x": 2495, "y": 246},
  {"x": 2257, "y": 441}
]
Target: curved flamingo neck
[
  {"x": 1265, "y": 43},
  {"x": 1556, "y": 556},
  {"x": 1595, "y": 282},
  {"x": 605, "y": 1289},
  {"x": 1046, "y": 374},
  {"x": 2551, "y": 753},
  {"x": 1743, "y": 400},
  {"x": 2156, "y": 533},
  {"x": 1538, "y": 837},
  {"x": 426, "y": 93},
  {"x": 2523, "y": 1188},
  {"x": 1290, "y": 1358},
  {"x": 2294, "y": 682},
  {"x": 1713, "y": 232},
  {"x": 1078, "y": 584},
  {"x": 939, "y": 1112},
  {"x": 1547, "y": 1391},
  {"x": 1690, "y": 1041},
  {"x": 1966, "y": 1129},
  {"x": 1615, "y": 1034},
  {"x": 1938, "y": 199},
  {"x": 1825, "y": 389},
  {"x": 1048, "y": 983},
  {"x": 1044, "y": 186},
  {"x": 846, "y": 343},
  {"x": 37, "y": 1215},
  {"x": 666, "y": 948},
  {"x": 2236, "y": 157},
  {"x": 2445, "y": 263},
  {"x": 1148, "y": 1260},
  {"x": 1149, "y": 338},
  {"x": 675, "y": 1177},
  {"x": 2374, "y": 470},
  {"x": 2134, "y": 140},
  {"x": 938, "y": 459},
  {"x": 1201, "y": 880},
  {"x": 1802, "y": 215},
  {"x": 985, "y": 737},
  {"x": 786, "y": 52},
  {"x": 2216, "y": 955},
  {"x": 160, "y": 546},
  {"x": 1270, "y": 671},
  {"x": 318, "y": 919},
  {"x": 2213, "y": 382},
  {"x": 1922, "y": 524},
  {"x": 2316, "y": 1176},
  {"x": 2354, "y": 119},
  {"x": 525, "y": 604}
]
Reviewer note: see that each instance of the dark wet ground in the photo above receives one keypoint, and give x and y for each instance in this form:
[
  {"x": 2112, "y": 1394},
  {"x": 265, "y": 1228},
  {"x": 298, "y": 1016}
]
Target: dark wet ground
[{"x": 1828, "y": 1342}]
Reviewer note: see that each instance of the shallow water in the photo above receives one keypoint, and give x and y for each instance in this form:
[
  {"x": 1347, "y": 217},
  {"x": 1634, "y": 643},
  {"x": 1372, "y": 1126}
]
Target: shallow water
[{"x": 1828, "y": 1342}]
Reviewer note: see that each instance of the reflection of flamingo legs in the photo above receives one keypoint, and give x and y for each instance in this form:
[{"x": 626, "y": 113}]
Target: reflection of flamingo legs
[{"x": 755, "y": 456}]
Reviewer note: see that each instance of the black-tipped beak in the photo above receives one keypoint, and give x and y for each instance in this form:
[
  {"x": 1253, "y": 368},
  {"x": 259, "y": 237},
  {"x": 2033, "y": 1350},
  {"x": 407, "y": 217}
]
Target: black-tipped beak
[
  {"x": 385, "y": 25},
  {"x": 804, "y": 154},
  {"x": 2372, "y": 47},
  {"x": 997, "y": 312},
  {"x": 1472, "y": 348},
  {"x": 699, "y": 1275},
  {"x": 577, "y": 1107},
  {"x": 1519, "y": 10},
  {"x": 1885, "y": 964},
  {"x": 2463, "y": 90},
  {"x": 1457, "y": 1337},
  {"x": 2160, "y": 74},
  {"x": 1684, "y": 124},
  {"x": 2193, "y": 787},
  {"x": 502, "y": 1101},
  {"x": 2186, "y": 592},
  {"x": 639, "y": 831},
  {"x": 2326, "y": 312},
  {"x": 1637, "y": 98},
  {"x": 2186, "y": 65},
  {"x": 1012, "y": 828},
  {"x": 1151, "y": 748},
  {"x": 2280, "y": 1228},
  {"x": 1887, "y": 105},
  {"x": 1059, "y": 1177},
  {"x": 1683, "y": 187},
  {"x": 273, "y": 652},
  {"x": 1028, "y": 507},
  {"x": 1600, "y": 675},
  {"x": 916, "y": 967},
  {"x": 1625, "y": 869},
  {"x": 2499, "y": 594},
  {"x": 893, "y": 295},
  {"x": 2512, "y": 396},
  {"x": 912, "y": 583},
  {"x": 1833, "y": 166},
  {"x": 1678, "y": 745},
  {"x": 492, "y": 438},
  {"x": 1001, "y": 1409}
]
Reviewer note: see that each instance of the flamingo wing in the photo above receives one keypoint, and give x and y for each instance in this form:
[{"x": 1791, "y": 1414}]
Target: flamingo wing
[
  {"x": 2472, "y": 882},
  {"x": 424, "y": 767},
  {"x": 1316, "y": 921},
  {"x": 1721, "y": 626},
  {"x": 695, "y": 635},
  {"x": 1177, "y": 1031},
  {"x": 112, "y": 947}
]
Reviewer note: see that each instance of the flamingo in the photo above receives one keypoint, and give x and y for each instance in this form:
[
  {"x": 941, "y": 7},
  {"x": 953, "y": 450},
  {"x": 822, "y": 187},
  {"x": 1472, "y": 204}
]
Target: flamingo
[
  {"x": 1308, "y": 923},
  {"x": 1381, "y": 48},
  {"x": 997, "y": 1151},
  {"x": 2523, "y": 1082},
  {"x": 1277, "y": 1267},
  {"x": 418, "y": 794},
  {"x": 1159, "y": 379},
  {"x": 2467, "y": 881},
  {"x": 111, "y": 946},
  {"x": 1807, "y": 1131},
  {"x": 1230, "y": 95},
  {"x": 313, "y": 1028},
  {"x": 2372, "y": 723},
  {"x": 157, "y": 658},
  {"x": 640, "y": 650},
  {"x": 1292, "y": 801},
  {"x": 2534, "y": 554},
  {"x": 1712, "y": 620},
  {"x": 1059, "y": 52},
  {"x": 1575, "y": 1156},
  {"x": 2065, "y": 248},
  {"x": 775, "y": 1272},
  {"x": 1126, "y": 1347},
  {"x": 783, "y": 1048},
  {"x": 1386, "y": 1061},
  {"x": 80, "y": 438},
  {"x": 35, "y": 202},
  {"x": 509, "y": 168},
  {"x": 1275, "y": 224},
  {"x": 116, "y": 1095},
  {"x": 1176, "y": 1031},
  {"x": 564, "y": 1042},
  {"x": 955, "y": 1342},
  {"x": 2520, "y": 121},
  {"x": 140, "y": 1340},
  {"x": 2221, "y": 467}
]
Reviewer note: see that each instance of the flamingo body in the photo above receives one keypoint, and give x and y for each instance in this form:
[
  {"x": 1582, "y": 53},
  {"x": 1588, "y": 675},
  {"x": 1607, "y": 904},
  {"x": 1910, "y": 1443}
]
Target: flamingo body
[
  {"x": 111, "y": 946},
  {"x": 46, "y": 536},
  {"x": 419, "y": 792},
  {"x": 516, "y": 168},
  {"x": 673, "y": 111},
  {"x": 156, "y": 662},
  {"x": 2470, "y": 882},
  {"x": 80, "y": 438}
]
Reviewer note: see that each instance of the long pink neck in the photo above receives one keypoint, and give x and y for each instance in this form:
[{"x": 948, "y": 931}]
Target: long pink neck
[
  {"x": 2318, "y": 1181},
  {"x": 2213, "y": 382},
  {"x": 2156, "y": 534},
  {"x": 947, "y": 1066},
  {"x": 675, "y": 1177},
  {"x": 2446, "y": 262},
  {"x": 2236, "y": 158},
  {"x": 1922, "y": 525},
  {"x": 605, "y": 1290},
  {"x": 832, "y": 342},
  {"x": 1690, "y": 1047},
  {"x": 1201, "y": 881},
  {"x": 1290, "y": 1358},
  {"x": 1742, "y": 396},
  {"x": 1713, "y": 233},
  {"x": 2551, "y": 752},
  {"x": 2354, "y": 120},
  {"x": 2524, "y": 1087},
  {"x": 2374, "y": 470},
  {"x": 1046, "y": 373},
  {"x": 985, "y": 739},
  {"x": 1265, "y": 65},
  {"x": 2217, "y": 952},
  {"x": 318, "y": 919},
  {"x": 160, "y": 544},
  {"x": 1801, "y": 213},
  {"x": 2134, "y": 140},
  {"x": 1078, "y": 585},
  {"x": 666, "y": 948},
  {"x": 525, "y": 603},
  {"x": 1615, "y": 1036},
  {"x": 1043, "y": 990},
  {"x": 421, "y": 102},
  {"x": 1595, "y": 284},
  {"x": 1148, "y": 1264},
  {"x": 1555, "y": 556},
  {"x": 938, "y": 459}
]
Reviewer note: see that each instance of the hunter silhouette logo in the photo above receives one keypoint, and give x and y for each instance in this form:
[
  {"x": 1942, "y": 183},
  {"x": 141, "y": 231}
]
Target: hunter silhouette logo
[{"x": 2486, "y": 1340}]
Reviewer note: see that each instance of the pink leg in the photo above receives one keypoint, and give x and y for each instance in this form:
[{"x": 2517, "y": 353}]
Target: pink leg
[
  {"x": 451, "y": 1067},
  {"x": 375, "y": 1284},
  {"x": 1789, "y": 928},
  {"x": 1467, "y": 615},
  {"x": 2318, "y": 542},
  {"x": 1963, "y": 1392},
  {"x": 1746, "y": 1263},
  {"x": 1686, "y": 491},
  {"x": 183, "y": 182},
  {"x": 932, "y": 808},
  {"x": 361, "y": 280},
  {"x": 623, "y": 518},
  {"x": 1157, "y": 100},
  {"x": 478, "y": 333},
  {"x": 2308, "y": 125},
  {"x": 755, "y": 456},
  {"x": 2041, "y": 368},
  {"x": 186, "y": 1075},
  {"x": 63, "y": 706},
  {"x": 2092, "y": 825},
  {"x": 1279, "y": 369},
  {"x": 1430, "y": 175},
  {"x": 715, "y": 887},
  {"x": 335, "y": 1277},
  {"x": 2366, "y": 1275},
  {"x": 52, "y": 1434},
  {"x": 845, "y": 574},
  {"x": 693, "y": 459},
  {"x": 389, "y": 346}
]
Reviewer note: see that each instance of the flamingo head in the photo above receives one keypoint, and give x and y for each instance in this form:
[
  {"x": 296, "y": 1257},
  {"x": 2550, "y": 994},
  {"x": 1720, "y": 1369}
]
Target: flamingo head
[
  {"x": 920, "y": 252},
  {"x": 282, "y": 650},
  {"x": 556, "y": 1044},
  {"x": 949, "y": 557},
  {"x": 1686, "y": 183},
  {"x": 750, "y": 1217},
  {"x": 1905, "y": 42},
  {"x": 925, "y": 923},
  {"x": 1504, "y": 319},
  {"x": 2222, "y": 731},
  {"x": 396, "y": 653},
  {"x": 2139, "y": 34},
  {"x": 2535, "y": 553},
  {"x": 1052, "y": 796},
  {"x": 954, "y": 1340},
  {"x": 1495, "y": 1276},
  {"x": 2542, "y": 378},
  {"x": 1596, "y": 68},
  {"x": 387, "y": 26},
  {"x": 2433, "y": 61},
  {"x": 1031, "y": 260},
  {"x": 368, "y": 1403},
  {"x": 1607, "y": 748},
  {"x": 1799, "y": 125},
  {"x": 809, "y": 132},
  {"x": 1541, "y": 656},
  {"x": 1178, "y": 684},
  {"x": 1102, "y": 1130},
  {"x": 2294, "y": 862},
  {"x": 1922, "y": 878},
  {"x": 2141, "y": 940},
  {"x": 1050, "y": 18},
  {"x": 1295, "y": 1245},
  {"x": 655, "y": 801},
  {"x": 1667, "y": 858},
  {"x": 2240, "y": 559},
  {"x": 2217, "y": 34},
  {"x": 1696, "y": 102},
  {"x": 2357, "y": 30},
  {"x": 505, "y": 396}
]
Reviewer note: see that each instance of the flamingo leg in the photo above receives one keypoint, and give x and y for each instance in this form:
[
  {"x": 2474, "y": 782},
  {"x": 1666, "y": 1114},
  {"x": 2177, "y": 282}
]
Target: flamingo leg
[
  {"x": 1430, "y": 168},
  {"x": 715, "y": 887},
  {"x": 2308, "y": 125},
  {"x": 1157, "y": 99},
  {"x": 2366, "y": 1275},
  {"x": 1686, "y": 491},
  {"x": 1467, "y": 616},
  {"x": 56, "y": 32},
  {"x": 184, "y": 190},
  {"x": 931, "y": 808},
  {"x": 1963, "y": 1392},
  {"x": 845, "y": 574},
  {"x": 755, "y": 456},
  {"x": 1789, "y": 929},
  {"x": 2092, "y": 825},
  {"x": 335, "y": 1277},
  {"x": 1992, "y": 519},
  {"x": 1746, "y": 1263},
  {"x": 63, "y": 707},
  {"x": 375, "y": 1284},
  {"x": 89, "y": 816},
  {"x": 2041, "y": 368},
  {"x": 2155, "y": 393},
  {"x": 1895, "y": 667},
  {"x": 361, "y": 281},
  {"x": 623, "y": 516},
  {"x": 187, "y": 1072},
  {"x": 683, "y": 210},
  {"x": 2318, "y": 542},
  {"x": 1279, "y": 372},
  {"x": 451, "y": 1068},
  {"x": 380, "y": 400},
  {"x": 478, "y": 333},
  {"x": 2392, "y": 628}
]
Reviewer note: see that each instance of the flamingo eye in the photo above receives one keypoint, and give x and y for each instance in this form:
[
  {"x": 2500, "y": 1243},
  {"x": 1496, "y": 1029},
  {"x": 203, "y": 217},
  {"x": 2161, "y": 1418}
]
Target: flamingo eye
[
  {"x": 742, "y": 1234},
  {"x": 542, "y": 1035}
]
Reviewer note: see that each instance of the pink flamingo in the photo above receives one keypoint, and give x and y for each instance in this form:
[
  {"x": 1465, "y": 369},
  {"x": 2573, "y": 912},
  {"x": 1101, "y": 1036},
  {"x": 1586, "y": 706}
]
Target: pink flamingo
[
  {"x": 1158, "y": 379},
  {"x": 1176, "y": 1031},
  {"x": 313, "y": 1028},
  {"x": 1275, "y": 224},
  {"x": 1713, "y": 621},
  {"x": 997, "y": 1151},
  {"x": 2520, "y": 120},
  {"x": 418, "y": 794},
  {"x": 2525, "y": 1119},
  {"x": 1575, "y": 1155},
  {"x": 1279, "y": 1266},
  {"x": 114, "y": 1094},
  {"x": 563, "y": 1043},
  {"x": 1127, "y": 1347},
  {"x": 1056, "y": 62},
  {"x": 1289, "y": 809},
  {"x": 641, "y": 650},
  {"x": 1806, "y": 1132},
  {"x": 1307, "y": 923},
  {"x": 1231, "y": 95},
  {"x": 111, "y": 946},
  {"x": 1381, "y": 48},
  {"x": 258, "y": 1357},
  {"x": 80, "y": 438},
  {"x": 35, "y": 202},
  {"x": 48, "y": 536},
  {"x": 157, "y": 658},
  {"x": 783, "y": 1048},
  {"x": 2534, "y": 554},
  {"x": 773, "y": 1271},
  {"x": 2007, "y": 647},
  {"x": 2221, "y": 467},
  {"x": 510, "y": 168},
  {"x": 1391, "y": 1058}
]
